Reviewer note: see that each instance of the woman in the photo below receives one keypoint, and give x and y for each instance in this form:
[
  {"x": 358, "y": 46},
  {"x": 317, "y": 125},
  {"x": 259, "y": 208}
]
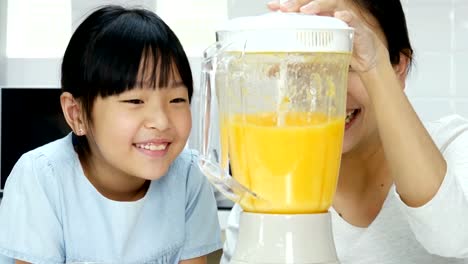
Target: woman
[{"x": 402, "y": 195}]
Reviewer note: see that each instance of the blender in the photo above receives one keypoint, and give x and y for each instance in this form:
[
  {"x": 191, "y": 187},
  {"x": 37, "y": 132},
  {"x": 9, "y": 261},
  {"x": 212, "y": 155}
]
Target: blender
[{"x": 273, "y": 107}]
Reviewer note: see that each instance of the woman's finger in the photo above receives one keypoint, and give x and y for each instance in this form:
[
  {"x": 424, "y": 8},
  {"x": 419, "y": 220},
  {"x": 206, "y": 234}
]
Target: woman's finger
[
  {"x": 348, "y": 18},
  {"x": 292, "y": 5},
  {"x": 274, "y": 5},
  {"x": 367, "y": 46},
  {"x": 320, "y": 7}
]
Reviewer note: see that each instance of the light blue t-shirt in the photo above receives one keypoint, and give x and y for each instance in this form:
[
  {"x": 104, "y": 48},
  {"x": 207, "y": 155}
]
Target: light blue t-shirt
[{"x": 51, "y": 213}]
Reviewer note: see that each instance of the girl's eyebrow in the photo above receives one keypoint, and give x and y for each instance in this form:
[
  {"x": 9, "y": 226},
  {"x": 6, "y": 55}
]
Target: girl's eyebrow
[
  {"x": 175, "y": 84},
  {"x": 171, "y": 84}
]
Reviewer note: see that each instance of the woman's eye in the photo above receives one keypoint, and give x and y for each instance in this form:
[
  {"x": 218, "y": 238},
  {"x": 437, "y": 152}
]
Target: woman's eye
[
  {"x": 178, "y": 100},
  {"x": 133, "y": 101}
]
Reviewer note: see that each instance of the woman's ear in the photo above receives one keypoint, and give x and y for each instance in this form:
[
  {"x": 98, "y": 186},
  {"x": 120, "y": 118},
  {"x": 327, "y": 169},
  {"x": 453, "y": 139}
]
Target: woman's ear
[
  {"x": 74, "y": 114},
  {"x": 401, "y": 69}
]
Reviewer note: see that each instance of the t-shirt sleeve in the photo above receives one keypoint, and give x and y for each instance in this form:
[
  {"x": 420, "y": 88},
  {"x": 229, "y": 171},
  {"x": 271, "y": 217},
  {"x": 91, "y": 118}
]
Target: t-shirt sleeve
[
  {"x": 203, "y": 234},
  {"x": 29, "y": 224},
  {"x": 441, "y": 225}
]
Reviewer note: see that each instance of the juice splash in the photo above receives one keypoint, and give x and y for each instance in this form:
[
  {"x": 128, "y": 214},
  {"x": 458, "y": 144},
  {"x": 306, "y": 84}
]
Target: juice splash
[{"x": 293, "y": 167}]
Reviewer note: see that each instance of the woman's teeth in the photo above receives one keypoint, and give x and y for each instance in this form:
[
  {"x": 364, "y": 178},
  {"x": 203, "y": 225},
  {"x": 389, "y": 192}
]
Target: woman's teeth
[
  {"x": 152, "y": 147},
  {"x": 350, "y": 115}
]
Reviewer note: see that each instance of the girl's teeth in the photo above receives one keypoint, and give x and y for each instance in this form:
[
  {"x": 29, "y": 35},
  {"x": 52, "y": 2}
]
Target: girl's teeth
[{"x": 152, "y": 147}]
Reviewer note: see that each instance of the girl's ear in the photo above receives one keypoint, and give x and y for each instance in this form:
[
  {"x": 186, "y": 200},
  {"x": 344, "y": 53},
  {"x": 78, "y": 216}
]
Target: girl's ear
[
  {"x": 73, "y": 113},
  {"x": 401, "y": 69}
]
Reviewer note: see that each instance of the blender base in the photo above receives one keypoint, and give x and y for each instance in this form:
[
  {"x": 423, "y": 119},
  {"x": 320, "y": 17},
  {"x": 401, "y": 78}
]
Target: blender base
[{"x": 285, "y": 239}]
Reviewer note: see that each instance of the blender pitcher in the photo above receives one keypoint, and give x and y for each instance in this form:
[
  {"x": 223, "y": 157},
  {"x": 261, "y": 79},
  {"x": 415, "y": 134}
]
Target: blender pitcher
[{"x": 273, "y": 101}]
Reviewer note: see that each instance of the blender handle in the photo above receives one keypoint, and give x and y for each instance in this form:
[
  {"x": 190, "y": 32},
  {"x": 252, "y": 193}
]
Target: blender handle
[{"x": 209, "y": 158}]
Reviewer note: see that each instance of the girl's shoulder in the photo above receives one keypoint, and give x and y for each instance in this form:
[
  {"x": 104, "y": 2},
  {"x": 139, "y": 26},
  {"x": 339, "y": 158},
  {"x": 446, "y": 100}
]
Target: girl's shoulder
[
  {"x": 60, "y": 150},
  {"x": 187, "y": 156},
  {"x": 185, "y": 162},
  {"x": 45, "y": 162},
  {"x": 185, "y": 170}
]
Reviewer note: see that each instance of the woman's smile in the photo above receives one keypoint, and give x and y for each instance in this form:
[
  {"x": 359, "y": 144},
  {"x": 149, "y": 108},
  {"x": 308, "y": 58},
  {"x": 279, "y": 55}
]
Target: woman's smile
[{"x": 351, "y": 116}]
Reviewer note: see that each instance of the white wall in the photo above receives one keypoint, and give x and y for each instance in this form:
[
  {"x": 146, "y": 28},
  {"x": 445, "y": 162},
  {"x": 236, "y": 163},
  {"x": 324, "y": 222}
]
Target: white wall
[
  {"x": 82, "y": 8},
  {"x": 237, "y": 8},
  {"x": 45, "y": 72},
  {"x": 439, "y": 83}
]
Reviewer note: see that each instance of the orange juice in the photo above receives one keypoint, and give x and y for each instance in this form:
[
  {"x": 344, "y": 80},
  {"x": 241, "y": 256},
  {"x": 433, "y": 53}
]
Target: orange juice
[{"x": 291, "y": 165}]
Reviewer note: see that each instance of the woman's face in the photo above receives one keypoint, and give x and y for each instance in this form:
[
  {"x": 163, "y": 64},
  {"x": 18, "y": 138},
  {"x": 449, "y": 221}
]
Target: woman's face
[
  {"x": 361, "y": 125},
  {"x": 360, "y": 118}
]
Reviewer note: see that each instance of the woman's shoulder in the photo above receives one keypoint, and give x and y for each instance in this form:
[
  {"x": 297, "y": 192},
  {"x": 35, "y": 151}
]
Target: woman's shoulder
[
  {"x": 447, "y": 130},
  {"x": 447, "y": 120},
  {"x": 450, "y": 124}
]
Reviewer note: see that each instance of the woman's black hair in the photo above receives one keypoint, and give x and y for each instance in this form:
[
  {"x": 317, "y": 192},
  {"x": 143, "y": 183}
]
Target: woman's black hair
[
  {"x": 391, "y": 18},
  {"x": 107, "y": 50}
]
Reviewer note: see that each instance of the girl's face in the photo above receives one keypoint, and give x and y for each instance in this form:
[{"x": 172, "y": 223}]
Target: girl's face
[{"x": 140, "y": 131}]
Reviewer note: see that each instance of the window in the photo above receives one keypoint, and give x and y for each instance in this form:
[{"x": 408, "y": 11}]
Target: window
[{"x": 38, "y": 28}]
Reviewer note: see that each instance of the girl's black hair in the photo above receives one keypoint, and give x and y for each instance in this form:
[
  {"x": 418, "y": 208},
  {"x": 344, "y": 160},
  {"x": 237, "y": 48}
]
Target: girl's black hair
[
  {"x": 107, "y": 50},
  {"x": 391, "y": 18}
]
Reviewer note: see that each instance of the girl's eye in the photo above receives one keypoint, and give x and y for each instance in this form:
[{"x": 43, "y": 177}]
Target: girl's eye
[
  {"x": 351, "y": 69},
  {"x": 178, "y": 100},
  {"x": 133, "y": 101}
]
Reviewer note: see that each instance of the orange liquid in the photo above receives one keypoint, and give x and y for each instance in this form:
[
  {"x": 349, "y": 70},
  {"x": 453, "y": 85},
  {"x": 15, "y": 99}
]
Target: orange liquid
[{"x": 292, "y": 167}]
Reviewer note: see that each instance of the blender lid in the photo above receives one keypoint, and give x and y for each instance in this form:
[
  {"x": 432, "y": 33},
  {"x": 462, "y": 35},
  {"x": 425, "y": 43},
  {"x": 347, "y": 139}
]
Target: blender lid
[
  {"x": 280, "y": 20},
  {"x": 287, "y": 32}
]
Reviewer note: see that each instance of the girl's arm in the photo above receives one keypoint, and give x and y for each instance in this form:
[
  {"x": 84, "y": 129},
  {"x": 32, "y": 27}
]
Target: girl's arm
[
  {"x": 199, "y": 260},
  {"x": 21, "y": 262}
]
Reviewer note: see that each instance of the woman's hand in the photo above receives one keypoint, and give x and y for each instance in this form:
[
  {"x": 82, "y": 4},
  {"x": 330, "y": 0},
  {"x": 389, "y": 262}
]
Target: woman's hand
[{"x": 368, "y": 49}]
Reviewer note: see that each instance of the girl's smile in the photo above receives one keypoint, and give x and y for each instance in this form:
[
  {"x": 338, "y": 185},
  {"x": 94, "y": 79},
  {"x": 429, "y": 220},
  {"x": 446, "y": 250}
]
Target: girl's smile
[{"x": 153, "y": 148}]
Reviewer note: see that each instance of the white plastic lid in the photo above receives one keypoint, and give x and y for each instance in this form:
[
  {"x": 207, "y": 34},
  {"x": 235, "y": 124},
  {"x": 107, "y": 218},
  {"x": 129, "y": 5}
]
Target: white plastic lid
[
  {"x": 287, "y": 32},
  {"x": 280, "y": 20}
]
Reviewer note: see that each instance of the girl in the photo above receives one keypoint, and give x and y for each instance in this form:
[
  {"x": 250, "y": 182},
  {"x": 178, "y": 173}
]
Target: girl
[
  {"x": 120, "y": 188},
  {"x": 402, "y": 195}
]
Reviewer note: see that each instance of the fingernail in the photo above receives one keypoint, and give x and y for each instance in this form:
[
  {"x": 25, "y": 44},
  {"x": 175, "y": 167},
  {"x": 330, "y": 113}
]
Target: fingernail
[
  {"x": 311, "y": 7},
  {"x": 343, "y": 15},
  {"x": 289, "y": 4},
  {"x": 272, "y": 2}
]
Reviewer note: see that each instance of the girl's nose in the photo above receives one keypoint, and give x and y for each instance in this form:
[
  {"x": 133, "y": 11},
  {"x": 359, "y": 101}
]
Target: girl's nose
[{"x": 157, "y": 120}]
